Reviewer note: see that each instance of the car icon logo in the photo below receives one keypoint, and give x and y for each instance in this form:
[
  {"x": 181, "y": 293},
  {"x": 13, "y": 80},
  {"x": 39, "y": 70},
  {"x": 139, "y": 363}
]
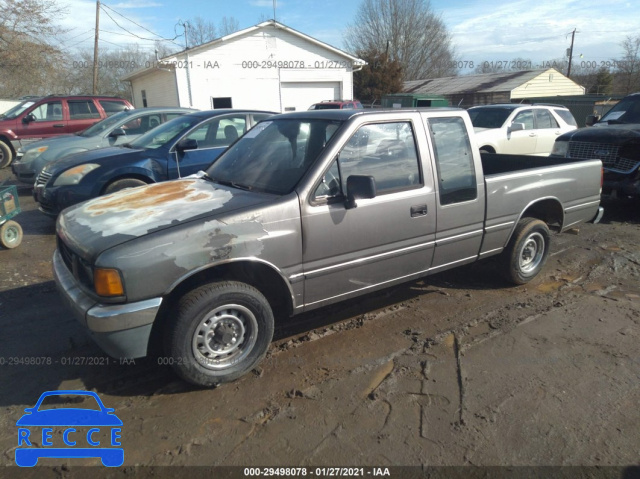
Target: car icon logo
[
  {"x": 601, "y": 152},
  {"x": 79, "y": 432}
]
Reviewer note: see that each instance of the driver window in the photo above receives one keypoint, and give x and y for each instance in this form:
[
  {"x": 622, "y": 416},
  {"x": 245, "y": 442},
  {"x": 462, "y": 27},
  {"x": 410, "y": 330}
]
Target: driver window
[
  {"x": 386, "y": 151},
  {"x": 525, "y": 117}
]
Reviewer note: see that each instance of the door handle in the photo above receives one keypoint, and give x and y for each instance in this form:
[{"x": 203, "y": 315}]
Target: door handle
[
  {"x": 418, "y": 210},
  {"x": 532, "y": 134},
  {"x": 58, "y": 125}
]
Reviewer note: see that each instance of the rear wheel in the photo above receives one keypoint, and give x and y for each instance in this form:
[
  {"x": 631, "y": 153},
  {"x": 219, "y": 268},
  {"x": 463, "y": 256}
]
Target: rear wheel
[
  {"x": 123, "y": 184},
  {"x": 527, "y": 251},
  {"x": 220, "y": 332},
  {"x": 10, "y": 234},
  {"x": 6, "y": 155}
]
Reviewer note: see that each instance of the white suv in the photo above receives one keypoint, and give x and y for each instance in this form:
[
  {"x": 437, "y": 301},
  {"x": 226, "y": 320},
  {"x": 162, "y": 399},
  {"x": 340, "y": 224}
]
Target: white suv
[{"x": 520, "y": 129}]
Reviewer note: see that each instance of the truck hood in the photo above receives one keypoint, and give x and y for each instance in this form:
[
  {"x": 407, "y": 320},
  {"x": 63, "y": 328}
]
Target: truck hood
[
  {"x": 97, "y": 225},
  {"x": 602, "y": 133},
  {"x": 95, "y": 156}
]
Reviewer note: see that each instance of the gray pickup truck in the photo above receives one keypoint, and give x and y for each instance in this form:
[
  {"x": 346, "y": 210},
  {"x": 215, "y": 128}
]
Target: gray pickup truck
[{"x": 305, "y": 210}]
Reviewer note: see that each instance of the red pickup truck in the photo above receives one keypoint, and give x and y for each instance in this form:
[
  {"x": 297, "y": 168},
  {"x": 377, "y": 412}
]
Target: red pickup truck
[{"x": 41, "y": 117}]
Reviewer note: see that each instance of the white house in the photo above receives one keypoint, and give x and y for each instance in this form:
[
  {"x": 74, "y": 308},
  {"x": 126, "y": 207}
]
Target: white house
[{"x": 268, "y": 67}]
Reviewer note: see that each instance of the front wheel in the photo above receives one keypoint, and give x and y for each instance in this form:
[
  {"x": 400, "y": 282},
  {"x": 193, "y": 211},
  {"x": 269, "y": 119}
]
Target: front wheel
[
  {"x": 220, "y": 332},
  {"x": 527, "y": 251},
  {"x": 6, "y": 155}
]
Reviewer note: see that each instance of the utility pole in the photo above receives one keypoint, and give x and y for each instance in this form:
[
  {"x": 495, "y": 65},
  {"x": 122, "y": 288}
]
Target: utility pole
[
  {"x": 274, "y": 9},
  {"x": 186, "y": 50},
  {"x": 95, "y": 50},
  {"x": 573, "y": 34}
]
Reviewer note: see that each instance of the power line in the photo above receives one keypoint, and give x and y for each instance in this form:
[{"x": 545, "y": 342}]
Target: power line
[{"x": 160, "y": 37}]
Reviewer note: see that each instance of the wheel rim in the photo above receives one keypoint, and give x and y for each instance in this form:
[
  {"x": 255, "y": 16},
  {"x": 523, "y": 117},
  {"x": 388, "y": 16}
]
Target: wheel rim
[
  {"x": 225, "y": 337},
  {"x": 11, "y": 235},
  {"x": 531, "y": 253}
]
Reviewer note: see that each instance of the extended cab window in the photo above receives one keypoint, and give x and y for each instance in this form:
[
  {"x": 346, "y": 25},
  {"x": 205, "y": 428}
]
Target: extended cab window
[
  {"x": 386, "y": 151},
  {"x": 454, "y": 160}
]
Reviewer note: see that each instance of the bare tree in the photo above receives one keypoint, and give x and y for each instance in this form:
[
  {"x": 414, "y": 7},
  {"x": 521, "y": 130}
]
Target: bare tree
[
  {"x": 628, "y": 67},
  {"x": 112, "y": 66},
  {"x": 200, "y": 31},
  {"x": 409, "y": 31},
  {"x": 28, "y": 59},
  {"x": 228, "y": 25}
]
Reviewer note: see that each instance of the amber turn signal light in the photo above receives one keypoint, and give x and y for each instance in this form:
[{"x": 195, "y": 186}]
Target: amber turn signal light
[{"x": 107, "y": 282}]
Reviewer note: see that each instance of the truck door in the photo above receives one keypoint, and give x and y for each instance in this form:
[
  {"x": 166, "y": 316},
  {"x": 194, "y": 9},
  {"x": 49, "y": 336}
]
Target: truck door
[
  {"x": 383, "y": 239},
  {"x": 460, "y": 202},
  {"x": 521, "y": 142}
]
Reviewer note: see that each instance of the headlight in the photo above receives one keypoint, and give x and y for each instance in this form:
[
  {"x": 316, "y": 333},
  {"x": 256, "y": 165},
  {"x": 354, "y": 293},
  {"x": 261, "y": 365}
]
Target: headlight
[
  {"x": 560, "y": 148},
  {"x": 74, "y": 175},
  {"x": 33, "y": 153}
]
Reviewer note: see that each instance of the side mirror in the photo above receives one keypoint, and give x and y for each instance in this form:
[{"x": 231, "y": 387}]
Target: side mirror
[
  {"x": 29, "y": 118},
  {"x": 117, "y": 132},
  {"x": 359, "y": 187},
  {"x": 186, "y": 144},
  {"x": 592, "y": 120},
  {"x": 516, "y": 127}
]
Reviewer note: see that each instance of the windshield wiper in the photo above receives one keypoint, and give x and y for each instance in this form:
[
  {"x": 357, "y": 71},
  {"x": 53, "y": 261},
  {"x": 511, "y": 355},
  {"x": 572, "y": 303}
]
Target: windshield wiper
[
  {"x": 233, "y": 184},
  {"x": 615, "y": 122}
]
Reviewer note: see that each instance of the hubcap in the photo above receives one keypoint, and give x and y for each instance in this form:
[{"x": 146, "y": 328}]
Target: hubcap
[
  {"x": 531, "y": 253},
  {"x": 11, "y": 235},
  {"x": 225, "y": 336}
]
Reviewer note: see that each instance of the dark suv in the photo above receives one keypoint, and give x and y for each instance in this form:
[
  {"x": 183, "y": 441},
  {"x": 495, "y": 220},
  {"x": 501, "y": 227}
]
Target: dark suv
[
  {"x": 336, "y": 105},
  {"x": 43, "y": 117}
]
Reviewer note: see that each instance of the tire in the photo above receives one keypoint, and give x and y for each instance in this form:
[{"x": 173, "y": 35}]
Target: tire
[
  {"x": 527, "y": 251},
  {"x": 123, "y": 184},
  {"x": 220, "y": 332},
  {"x": 10, "y": 235},
  {"x": 6, "y": 155}
]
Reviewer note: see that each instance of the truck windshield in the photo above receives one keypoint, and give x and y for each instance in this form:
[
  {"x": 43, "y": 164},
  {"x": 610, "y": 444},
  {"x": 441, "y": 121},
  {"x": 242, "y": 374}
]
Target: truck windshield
[
  {"x": 488, "y": 117},
  {"x": 274, "y": 155},
  {"x": 107, "y": 123},
  {"x": 167, "y": 132},
  {"x": 626, "y": 111},
  {"x": 16, "y": 110}
]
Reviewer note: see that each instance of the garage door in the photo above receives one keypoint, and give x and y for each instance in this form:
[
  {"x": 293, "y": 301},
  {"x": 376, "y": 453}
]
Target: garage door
[{"x": 299, "y": 96}]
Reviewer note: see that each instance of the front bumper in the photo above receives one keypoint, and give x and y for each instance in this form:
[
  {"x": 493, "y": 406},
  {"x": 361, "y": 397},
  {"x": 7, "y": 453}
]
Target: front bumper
[
  {"x": 121, "y": 330},
  {"x": 53, "y": 199},
  {"x": 23, "y": 171}
]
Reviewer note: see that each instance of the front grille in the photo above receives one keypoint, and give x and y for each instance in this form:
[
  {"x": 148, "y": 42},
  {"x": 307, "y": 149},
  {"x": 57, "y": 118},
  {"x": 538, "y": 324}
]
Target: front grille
[
  {"x": 606, "y": 152},
  {"x": 597, "y": 151},
  {"x": 43, "y": 178},
  {"x": 80, "y": 269}
]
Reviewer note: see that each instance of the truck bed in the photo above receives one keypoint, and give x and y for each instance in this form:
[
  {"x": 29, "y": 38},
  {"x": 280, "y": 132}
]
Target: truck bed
[{"x": 496, "y": 164}]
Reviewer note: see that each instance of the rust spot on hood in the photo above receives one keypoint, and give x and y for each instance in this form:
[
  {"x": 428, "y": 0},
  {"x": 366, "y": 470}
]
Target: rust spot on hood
[
  {"x": 146, "y": 197},
  {"x": 137, "y": 211}
]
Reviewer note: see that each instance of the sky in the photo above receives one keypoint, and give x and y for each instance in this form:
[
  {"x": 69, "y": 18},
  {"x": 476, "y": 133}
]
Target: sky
[{"x": 481, "y": 31}]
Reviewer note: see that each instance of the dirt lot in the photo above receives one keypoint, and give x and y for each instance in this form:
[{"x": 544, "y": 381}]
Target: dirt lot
[{"x": 458, "y": 369}]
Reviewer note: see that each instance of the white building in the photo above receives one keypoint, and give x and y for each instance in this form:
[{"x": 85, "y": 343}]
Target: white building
[{"x": 268, "y": 67}]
